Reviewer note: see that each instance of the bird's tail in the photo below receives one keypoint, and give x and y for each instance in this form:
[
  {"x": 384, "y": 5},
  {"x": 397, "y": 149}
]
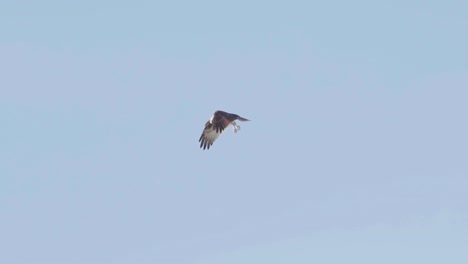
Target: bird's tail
[{"x": 242, "y": 119}]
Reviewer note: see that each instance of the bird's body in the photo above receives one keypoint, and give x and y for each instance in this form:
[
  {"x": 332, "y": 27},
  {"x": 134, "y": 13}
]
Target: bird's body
[{"x": 216, "y": 125}]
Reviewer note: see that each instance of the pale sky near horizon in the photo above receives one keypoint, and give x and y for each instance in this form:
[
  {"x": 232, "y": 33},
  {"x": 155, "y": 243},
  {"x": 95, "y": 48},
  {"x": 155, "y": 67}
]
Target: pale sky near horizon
[{"x": 357, "y": 151}]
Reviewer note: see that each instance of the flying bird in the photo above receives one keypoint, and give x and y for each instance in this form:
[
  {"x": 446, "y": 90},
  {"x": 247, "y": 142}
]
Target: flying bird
[{"x": 216, "y": 125}]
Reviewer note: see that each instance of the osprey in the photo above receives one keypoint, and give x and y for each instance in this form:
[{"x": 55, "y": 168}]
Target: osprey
[{"x": 216, "y": 125}]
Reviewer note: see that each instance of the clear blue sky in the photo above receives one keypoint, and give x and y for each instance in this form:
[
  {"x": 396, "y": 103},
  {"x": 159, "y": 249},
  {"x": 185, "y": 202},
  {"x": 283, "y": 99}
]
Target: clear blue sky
[{"x": 357, "y": 151}]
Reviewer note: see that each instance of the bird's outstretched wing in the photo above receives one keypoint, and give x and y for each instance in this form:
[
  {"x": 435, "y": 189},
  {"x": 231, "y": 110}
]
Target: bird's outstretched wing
[
  {"x": 213, "y": 128},
  {"x": 208, "y": 136}
]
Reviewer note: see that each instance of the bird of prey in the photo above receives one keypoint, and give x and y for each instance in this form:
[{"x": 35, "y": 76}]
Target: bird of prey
[{"x": 216, "y": 125}]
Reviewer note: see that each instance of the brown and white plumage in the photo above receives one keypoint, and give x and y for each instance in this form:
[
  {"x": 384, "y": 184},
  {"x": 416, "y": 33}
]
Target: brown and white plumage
[{"x": 216, "y": 125}]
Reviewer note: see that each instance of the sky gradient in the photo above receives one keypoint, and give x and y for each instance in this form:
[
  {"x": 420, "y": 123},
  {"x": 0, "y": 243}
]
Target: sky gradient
[{"x": 357, "y": 151}]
